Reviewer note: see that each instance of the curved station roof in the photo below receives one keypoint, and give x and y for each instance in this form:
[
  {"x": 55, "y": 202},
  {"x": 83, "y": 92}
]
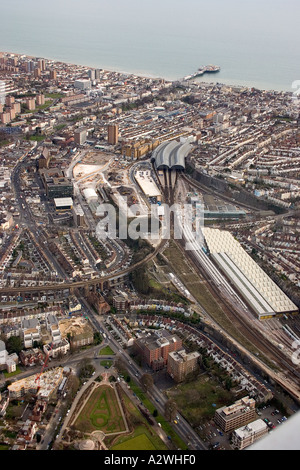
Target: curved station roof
[{"x": 171, "y": 155}]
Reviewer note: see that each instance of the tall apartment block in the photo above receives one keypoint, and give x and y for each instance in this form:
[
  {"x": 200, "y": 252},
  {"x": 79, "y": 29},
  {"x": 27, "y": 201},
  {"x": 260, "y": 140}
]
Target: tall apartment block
[
  {"x": 40, "y": 100},
  {"x": 2, "y": 91},
  {"x": 30, "y": 103},
  {"x": 53, "y": 74},
  {"x": 234, "y": 416},
  {"x": 181, "y": 364},
  {"x": 9, "y": 100},
  {"x": 11, "y": 112},
  {"x": 113, "y": 134},
  {"x": 41, "y": 64},
  {"x": 155, "y": 348},
  {"x": 97, "y": 74},
  {"x": 92, "y": 74},
  {"x": 17, "y": 107},
  {"x": 37, "y": 73},
  {"x": 5, "y": 118},
  {"x": 78, "y": 216},
  {"x": 80, "y": 135}
]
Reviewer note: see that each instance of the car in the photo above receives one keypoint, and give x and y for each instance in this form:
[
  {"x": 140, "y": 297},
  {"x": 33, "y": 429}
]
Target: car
[{"x": 176, "y": 422}]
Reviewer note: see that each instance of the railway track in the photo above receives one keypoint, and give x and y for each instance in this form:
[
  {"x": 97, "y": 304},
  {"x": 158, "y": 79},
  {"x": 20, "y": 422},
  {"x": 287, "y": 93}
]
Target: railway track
[
  {"x": 78, "y": 284},
  {"x": 204, "y": 189},
  {"x": 243, "y": 325}
]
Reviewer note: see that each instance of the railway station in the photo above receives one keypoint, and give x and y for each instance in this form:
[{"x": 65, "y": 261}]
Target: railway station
[{"x": 252, "y": 283}]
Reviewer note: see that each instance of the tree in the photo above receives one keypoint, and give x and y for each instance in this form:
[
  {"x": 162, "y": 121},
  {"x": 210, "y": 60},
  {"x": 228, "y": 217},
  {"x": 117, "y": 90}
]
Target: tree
[
  {"x": 140, "y": 280},
  {"x": 14, "y": 345},
  {"x": 86, "y": 369},
  {"x": 97, "y": 338},
  {"x": 73, "y": 386},
  {"x": 228, "y": 383},
  {"x": 119, "y": 363},
  {"x": 170, "y": 409},
  {"x": 147, "y": 381}
]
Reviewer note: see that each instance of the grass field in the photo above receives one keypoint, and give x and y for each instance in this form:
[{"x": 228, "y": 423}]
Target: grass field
[
  {"x": 101, "y": 412},
  {"x": 141, "y": 442},
  {"x": 199, "y": 399},
  {"x": 7, "y": 375},
  {"x": 106, "y": 351},
  {"x": 166, "y": 426},
  {"x": 142, "y": 436}
]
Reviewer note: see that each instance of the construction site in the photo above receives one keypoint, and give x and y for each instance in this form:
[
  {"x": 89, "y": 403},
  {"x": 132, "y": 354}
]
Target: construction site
[{"x": 41, "y": 385}]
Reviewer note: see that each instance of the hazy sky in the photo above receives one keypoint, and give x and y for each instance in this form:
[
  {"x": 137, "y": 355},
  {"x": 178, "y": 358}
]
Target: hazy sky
[
  {"x": 158, "y": 35},
  {"x": 263, "y": 17}
]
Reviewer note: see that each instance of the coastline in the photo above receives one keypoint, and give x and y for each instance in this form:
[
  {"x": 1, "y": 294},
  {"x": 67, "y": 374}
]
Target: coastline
[{"x": 147, "y": 75}]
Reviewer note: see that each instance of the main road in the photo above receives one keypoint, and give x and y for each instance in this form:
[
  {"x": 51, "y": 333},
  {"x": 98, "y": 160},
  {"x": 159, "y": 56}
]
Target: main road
[
  {"x": 182, "y": 428},
  {"x": 27, "y": 220}
]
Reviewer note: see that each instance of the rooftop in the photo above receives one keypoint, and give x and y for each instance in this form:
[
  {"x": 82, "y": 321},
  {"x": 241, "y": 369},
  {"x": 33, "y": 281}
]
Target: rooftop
[
  {"x": 251, "y": 281},
  {"x": 171, "y": 155}
]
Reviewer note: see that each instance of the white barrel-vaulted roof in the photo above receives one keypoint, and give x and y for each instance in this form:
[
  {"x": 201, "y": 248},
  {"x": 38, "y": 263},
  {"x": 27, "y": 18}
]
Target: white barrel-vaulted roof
[
  {"x": 90, "y": 194},
  {"x": 171, "y": 155}
]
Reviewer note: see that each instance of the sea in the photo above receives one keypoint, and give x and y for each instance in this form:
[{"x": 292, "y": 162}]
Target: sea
[{"x": 255, "y": 42}]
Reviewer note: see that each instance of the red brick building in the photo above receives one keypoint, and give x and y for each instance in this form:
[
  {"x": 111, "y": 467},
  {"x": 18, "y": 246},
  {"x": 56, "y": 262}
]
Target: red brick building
[{"x": 154, "y": 348}]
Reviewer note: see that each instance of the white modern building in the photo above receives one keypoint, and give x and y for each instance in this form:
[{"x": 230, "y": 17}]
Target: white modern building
[
  {"x": 63, "y": 203},
  {"x": 53, "y": 327},
  {"x": 246, "y": 435},
  {"x": 7, "y": 361},
  {"x": 31, "y": 330},
  {"x": 147, "y": 184},
  {"x": 83, "y": 84},
  {"x": 90, "y": 195}
]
